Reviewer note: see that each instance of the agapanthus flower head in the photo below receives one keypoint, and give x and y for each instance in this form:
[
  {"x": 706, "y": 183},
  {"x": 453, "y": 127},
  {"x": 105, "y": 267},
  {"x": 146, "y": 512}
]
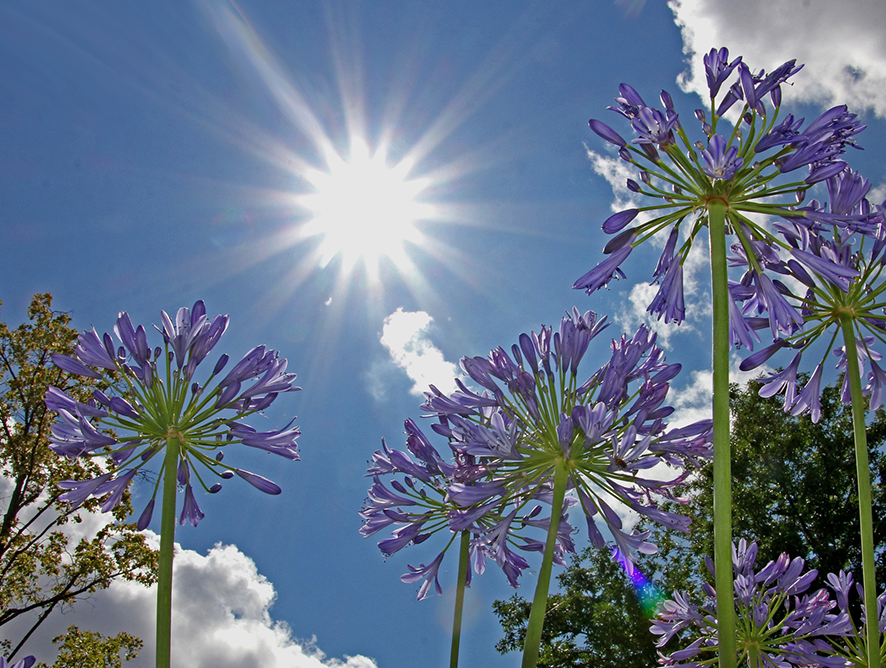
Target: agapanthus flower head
[
  {"x": 741, "y": 172},
  {"x": 154, "y": 401},
  {"x": 537, "y": 413},
  {"x": 838, "y": 273},
  {"x": 779, "y": 624},
  {"x": 427, "y": 494}
]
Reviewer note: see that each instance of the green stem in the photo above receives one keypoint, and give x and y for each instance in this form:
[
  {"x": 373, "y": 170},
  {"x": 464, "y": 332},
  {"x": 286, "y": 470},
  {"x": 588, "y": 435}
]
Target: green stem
[
  {"x": 463, "y": 559},
  {"x": 167, "y": 544},
  {"x": 863, "y": 473},
  {"x": 722, "y": 473},
  {"x": 540, "y": 600}
]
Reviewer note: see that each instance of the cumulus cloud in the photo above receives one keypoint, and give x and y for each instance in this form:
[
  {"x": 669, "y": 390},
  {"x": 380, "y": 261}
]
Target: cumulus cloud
[
  {"x": 405, "y": 336},
  {"x": 616, "y": 172},
  {"x": 221, "y": 617},
  {"x": 840, "y": 43},
  {"x": 692, "y": 402}
]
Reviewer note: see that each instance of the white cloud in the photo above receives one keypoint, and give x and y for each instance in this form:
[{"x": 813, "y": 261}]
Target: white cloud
[
  {"x": 405, "y": 335},
  {"x": 698, "y": 305},
  {"x": 693, "y": 401},
  {"x": 616, "y": 172},
  {"x": 221, "y": 617},
  {"x": 841, "y": 44}
]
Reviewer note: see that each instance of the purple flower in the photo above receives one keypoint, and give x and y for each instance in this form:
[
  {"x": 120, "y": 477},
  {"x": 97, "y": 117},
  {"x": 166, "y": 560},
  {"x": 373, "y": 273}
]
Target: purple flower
[
  {"x": 718, "y": 68},
  {"x": 190, "y": 510},
  {"x": 426, "y": 573},
  {"x": 840, "y": 274},
  {"x": 720, "y": 162},
  {"x": 27, "y": 662},
  {"x": 606, "y": 132},
  {"x": 618, "y": 221},
  {"x": 609, "y": 426},
  {"x": 668, "y": 301},
  {"x": 783, "y": 133},
  {"x": 809, "y": 398},
  {"x": 778, "y": 625},
  {"x": 600, "y": 275},
  {"x": 686, "y": 178},
  {"x": 655, "y": 127},
  {"x": 205, "y": 417},
  {"x": 427, "y": 495},
  {"x": 852, "y": 650}
]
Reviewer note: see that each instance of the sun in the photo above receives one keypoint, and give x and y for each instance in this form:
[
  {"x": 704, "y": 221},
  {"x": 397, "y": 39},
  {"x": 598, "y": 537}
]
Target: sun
[{"x": 363, "y": 208}]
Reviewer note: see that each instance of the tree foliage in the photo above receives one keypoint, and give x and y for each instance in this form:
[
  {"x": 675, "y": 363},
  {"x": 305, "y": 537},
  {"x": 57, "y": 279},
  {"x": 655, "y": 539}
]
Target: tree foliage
[
  {"x": 46, "y": 564},
  {"x": 793, "y": 491},
  {"x": 87, "y": 649},
  {"x": 596, "y": 620}
]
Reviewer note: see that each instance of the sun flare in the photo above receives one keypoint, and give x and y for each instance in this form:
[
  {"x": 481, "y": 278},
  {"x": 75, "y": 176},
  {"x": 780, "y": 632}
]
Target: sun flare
[{"x": 363, "y": 208}]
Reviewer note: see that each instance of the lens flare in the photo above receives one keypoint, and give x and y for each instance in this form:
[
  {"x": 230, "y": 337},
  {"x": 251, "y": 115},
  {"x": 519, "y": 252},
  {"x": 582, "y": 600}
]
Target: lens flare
[{"x": 649, "y": 594}]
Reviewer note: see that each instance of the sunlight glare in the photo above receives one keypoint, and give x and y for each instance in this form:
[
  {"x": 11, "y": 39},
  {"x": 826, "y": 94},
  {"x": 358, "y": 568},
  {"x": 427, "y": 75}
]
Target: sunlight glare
[{"x": 363, "y": 208}]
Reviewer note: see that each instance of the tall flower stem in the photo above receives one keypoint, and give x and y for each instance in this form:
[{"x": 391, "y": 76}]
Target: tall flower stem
[
  {"x": 540, "y": 600},
  {"x": 864, "y": 492},
  {"x": 167, "y": 544},
  {"x": 463, "y": 559},
  {"x": 722, "y": 464}
]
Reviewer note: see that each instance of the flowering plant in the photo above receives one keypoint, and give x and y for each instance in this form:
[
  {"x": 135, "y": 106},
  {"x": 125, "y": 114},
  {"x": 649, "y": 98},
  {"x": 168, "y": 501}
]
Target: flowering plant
[
  {"x": 776, "y": 625},
  {"x": 841, "y": 294},
  {"x": 541, "y": 432},
  {"x": 428, "y": 495},
  {"x": 723, "y": 182},
  {"x": 155, "y": 403}
]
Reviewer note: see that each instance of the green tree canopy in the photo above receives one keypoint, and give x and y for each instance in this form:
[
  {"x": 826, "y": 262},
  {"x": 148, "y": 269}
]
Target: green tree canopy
[
  {"x": 794, "y": 490},
  {"x": 595, "y": 620},
  {"x": 44, "y": 564}
]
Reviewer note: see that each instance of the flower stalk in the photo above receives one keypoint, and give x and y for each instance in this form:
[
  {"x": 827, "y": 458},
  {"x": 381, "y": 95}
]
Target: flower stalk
[
  {"x": 156, "y": 401},
  {"x": 722, "y": 456},
  {"x": 540, "y": 600},
  {"x": 464, "y": 555},
  {"x": 865, "y": 514},
  {"x": 167, "y": 549}
]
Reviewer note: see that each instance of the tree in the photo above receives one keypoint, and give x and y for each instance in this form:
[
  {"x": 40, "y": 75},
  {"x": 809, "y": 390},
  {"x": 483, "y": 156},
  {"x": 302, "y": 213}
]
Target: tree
[
  {"x": 793, "y": 490},
  {"x": 597, "y": 620},
  {"x": 44, "y": 564}
]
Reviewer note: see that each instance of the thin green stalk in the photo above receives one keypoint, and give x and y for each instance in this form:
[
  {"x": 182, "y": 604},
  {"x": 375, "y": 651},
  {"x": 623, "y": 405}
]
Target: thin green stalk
[
  {"x": 722, "y": 464},
  {"x": 540, "y": 600},
  {"x": 463, "y": 559},
  {"x": 167, "y": 543},
  {"x": 864, "y": 493}
]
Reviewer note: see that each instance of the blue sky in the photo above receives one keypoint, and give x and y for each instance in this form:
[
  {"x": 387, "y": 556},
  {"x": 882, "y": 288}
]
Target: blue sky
[{"x": 158, "y": 153}]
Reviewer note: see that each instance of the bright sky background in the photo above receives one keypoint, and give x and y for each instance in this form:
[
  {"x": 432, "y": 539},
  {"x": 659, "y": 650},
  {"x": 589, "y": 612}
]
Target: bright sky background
[{"x": 152, "y": 154}]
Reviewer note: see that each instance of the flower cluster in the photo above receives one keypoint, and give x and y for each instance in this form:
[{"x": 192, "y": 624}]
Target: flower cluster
[
  {"x": 853, "y": 647},
  {"x": 843, "y": 281},
  {"x": 778, "y": 623},
  {"x": 736, "y": 171},
  {"x": 428, "y": 494},
  {"x": 155, "y": 401},
  {"x": 535, "y": 417}
]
